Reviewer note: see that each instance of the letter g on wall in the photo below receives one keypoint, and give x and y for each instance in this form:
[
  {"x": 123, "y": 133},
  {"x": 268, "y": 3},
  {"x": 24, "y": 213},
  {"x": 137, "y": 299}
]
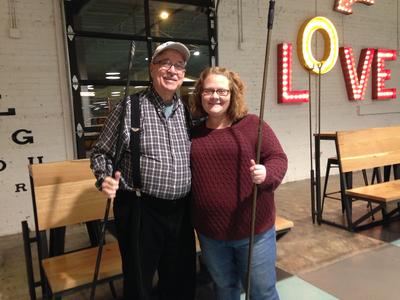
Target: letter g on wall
[{"x": 22, "y": 140}]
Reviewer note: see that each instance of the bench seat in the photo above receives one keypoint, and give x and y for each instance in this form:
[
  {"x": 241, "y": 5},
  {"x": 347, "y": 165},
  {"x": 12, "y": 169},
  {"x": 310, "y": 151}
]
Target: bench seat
[
  {"x": 75, "y": 269},
  {"x": 282, "y": 224},
  {"x": 381, "y": 192}
]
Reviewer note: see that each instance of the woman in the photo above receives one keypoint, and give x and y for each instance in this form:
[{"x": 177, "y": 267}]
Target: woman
[{"x": 223, "y": 174}]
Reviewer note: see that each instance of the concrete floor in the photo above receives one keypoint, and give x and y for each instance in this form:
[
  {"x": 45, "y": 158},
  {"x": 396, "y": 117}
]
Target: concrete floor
[{"x": 314, "y": 256}]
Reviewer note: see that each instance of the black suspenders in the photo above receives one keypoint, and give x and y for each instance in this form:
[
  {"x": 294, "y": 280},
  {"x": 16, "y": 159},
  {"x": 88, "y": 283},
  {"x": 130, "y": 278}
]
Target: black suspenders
[{"x": 135, "y": 143}]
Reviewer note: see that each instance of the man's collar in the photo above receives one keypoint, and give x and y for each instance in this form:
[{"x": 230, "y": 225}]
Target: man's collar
[{"x": 158, "y": 101}]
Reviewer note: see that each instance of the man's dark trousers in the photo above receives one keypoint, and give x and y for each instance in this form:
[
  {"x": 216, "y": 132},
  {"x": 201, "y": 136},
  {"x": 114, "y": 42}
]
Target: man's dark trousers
[{"x": 165, "y": 244}]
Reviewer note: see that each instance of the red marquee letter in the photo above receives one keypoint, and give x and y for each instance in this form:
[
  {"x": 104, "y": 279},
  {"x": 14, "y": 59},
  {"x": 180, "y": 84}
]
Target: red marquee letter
[
  {"x": 285, "y": 93},
  {"x": 356, "y": 80},
  {"x": 380, "y": 75},
  {"x": 344, "y": 6}
]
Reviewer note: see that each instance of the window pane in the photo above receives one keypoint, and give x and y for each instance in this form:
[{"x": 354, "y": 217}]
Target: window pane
[
  {"x": 96, "y": 57},
  {"x": 199, "y": 60},
  {"x": 182, "y": 20},
  {"x": 185, "y": 93},
  {"x": 98, "y": 101},
  {"x": 110, "y": 16}
]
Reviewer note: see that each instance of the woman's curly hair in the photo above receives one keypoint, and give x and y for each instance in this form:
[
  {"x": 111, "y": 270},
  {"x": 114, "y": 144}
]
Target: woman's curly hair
[{"x": 237, "y": 108}]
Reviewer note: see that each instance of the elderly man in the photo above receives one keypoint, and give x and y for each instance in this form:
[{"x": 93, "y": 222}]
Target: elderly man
[{"x": 152, "y": 221}]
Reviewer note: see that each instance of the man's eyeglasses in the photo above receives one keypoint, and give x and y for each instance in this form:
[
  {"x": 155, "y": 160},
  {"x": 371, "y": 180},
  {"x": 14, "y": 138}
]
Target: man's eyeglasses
[
  {"x": 166, "y": 64},
  {"x": 220, "y": 92}
]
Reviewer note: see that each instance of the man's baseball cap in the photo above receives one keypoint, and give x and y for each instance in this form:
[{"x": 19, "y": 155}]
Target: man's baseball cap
[{"x": 181, "y": 48}]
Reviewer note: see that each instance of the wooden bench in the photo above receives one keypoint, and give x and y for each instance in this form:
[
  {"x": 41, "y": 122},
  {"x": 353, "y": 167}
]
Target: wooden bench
[
  {"x": 282, "y": 226},
  {"x": 63, "y": 194},
  {"x": 368, "y": 149}
]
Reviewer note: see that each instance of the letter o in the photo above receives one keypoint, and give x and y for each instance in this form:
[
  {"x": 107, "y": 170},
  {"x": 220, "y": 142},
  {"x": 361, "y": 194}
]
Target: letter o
[
  {"x": 3, "y": 165},
  {"x": 304, "y": 45}
]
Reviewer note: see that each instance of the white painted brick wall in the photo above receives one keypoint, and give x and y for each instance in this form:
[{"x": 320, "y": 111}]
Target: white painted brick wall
[{"x": 30, "y": 83}]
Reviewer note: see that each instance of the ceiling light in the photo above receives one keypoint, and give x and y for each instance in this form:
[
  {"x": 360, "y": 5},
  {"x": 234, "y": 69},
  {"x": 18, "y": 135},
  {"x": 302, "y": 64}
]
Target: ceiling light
[
  {"x": 196, "y": 53},
  {"x": 113, "y": 77},
  {"x": 164, "y": 15},
  {"x": 87, "y": 94},
  {"x": 113, "y": 73}
]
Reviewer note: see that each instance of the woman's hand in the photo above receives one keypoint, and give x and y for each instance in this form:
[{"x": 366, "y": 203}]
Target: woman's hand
[
  {"x": 110, "y": 185},
  {"x": 257, "y": 172}
]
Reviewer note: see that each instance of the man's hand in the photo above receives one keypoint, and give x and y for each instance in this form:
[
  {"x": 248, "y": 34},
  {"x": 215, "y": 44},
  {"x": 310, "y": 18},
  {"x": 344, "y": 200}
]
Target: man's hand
[
  {"x": 110, "y": 185},
  {"x": 257, "y": 172}
]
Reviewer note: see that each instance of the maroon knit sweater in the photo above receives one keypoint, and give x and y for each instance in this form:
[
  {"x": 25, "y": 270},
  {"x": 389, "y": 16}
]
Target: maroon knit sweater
[{"x": 221, "y": 181}]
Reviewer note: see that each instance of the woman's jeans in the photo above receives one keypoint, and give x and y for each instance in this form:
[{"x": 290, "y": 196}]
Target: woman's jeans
[{"x": 227, "y": 263}]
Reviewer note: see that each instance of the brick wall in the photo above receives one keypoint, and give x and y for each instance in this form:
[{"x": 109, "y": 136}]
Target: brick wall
[{"x": 33, "y": 81}]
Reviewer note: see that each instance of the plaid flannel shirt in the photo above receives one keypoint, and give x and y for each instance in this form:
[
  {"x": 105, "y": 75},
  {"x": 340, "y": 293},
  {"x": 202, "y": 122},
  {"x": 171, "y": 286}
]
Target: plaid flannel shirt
[{"x": 164, "y": 148}]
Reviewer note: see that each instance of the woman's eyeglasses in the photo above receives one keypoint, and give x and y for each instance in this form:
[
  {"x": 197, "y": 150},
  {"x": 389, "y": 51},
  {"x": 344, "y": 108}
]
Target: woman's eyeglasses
[{"x": 220, "y": 92}]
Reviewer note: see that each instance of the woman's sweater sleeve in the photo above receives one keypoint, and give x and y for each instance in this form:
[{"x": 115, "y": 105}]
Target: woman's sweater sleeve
[{"x": 273, "y": 158}]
